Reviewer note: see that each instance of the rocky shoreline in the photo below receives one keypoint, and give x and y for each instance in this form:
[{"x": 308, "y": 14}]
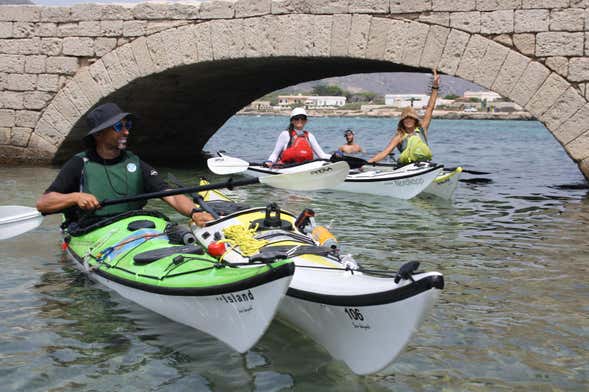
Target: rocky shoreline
[{"x": 438, "y": 114}]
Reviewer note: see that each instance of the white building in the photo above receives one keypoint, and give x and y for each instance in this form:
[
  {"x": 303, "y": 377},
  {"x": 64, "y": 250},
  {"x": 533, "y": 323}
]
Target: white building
[
  {"x": 489, "y": 96},
  {"x": 311, "y": 101},
  {"x": 419, "y": 100}
]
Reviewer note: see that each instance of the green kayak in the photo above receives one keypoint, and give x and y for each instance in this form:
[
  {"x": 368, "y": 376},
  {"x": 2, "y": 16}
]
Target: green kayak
[{"x": 141, "y": 255}]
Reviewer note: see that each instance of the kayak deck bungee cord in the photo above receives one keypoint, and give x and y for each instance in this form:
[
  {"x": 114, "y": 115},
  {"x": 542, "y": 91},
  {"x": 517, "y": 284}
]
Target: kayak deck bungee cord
[{"x": 235, "y": 304}]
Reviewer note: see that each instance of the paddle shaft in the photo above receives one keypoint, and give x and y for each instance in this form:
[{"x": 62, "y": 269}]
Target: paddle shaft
[
  {"x": 467, "y": 171},
  {"x": 179, "y": 191},
  {"x": 196, "y": 198}
]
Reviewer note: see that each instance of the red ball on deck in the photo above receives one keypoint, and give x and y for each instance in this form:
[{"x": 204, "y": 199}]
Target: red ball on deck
[{"x": 216, "y": 249}]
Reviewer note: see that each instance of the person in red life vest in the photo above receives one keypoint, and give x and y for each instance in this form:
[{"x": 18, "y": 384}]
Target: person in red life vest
[{"x": 296, "y": 145}]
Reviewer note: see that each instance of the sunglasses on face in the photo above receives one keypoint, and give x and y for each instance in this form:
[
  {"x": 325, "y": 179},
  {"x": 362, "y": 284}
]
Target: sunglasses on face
[
  {"x": 118, "y": 126},
  {"x": 299, "y": 118}
]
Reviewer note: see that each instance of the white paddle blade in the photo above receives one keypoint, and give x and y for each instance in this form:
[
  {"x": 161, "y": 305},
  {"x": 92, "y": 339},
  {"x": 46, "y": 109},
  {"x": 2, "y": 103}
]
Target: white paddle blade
[
  {"x": 15, "y": 220},
  {"x": 327, "y": 176},
  {"x": 227, "y": 165}
]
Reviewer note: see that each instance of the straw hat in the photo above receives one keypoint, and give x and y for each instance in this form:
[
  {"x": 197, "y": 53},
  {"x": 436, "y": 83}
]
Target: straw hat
[{"x": 409, "y": 112}]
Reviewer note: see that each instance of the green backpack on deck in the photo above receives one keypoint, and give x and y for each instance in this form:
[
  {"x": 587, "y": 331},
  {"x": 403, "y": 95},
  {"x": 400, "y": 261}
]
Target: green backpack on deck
[{"x": 416, "y": 150}]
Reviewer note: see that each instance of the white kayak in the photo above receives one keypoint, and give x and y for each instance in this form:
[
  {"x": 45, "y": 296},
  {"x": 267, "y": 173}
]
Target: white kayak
[
  {"x": 376, "y": 179},
  {"x": 444, "y": 185},
  {"x": 15, "y": 220},
  {"x": 360, "y": 318}
]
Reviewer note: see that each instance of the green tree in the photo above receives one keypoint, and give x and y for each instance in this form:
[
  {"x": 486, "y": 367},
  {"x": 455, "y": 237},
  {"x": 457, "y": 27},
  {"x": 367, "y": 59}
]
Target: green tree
[
  {"x": 451, "y": 96},
  {"x": 331, "y": 90}
]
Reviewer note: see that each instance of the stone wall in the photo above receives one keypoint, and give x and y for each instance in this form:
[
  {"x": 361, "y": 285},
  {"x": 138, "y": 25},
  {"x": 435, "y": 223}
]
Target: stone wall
[{"x": 58, "y": 62}]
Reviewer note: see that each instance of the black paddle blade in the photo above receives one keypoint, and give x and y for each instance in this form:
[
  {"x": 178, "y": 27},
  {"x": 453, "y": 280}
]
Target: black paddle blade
[{"x": 353, "y": 162}]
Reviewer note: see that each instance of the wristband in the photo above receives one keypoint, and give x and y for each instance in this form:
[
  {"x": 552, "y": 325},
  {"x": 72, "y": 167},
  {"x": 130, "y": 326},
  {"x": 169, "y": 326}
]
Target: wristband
[
  {"x": 435, "y": 88},
  {"x": 194, "y": 211}
]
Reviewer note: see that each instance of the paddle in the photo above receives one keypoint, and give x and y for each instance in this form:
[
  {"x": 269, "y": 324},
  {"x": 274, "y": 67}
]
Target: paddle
[
  {"x": 16, "y": 220},
  {"x": 195, "y": 197},
  {"x": 228, "y": 165},
  {"x": 467, "y": 171},
  {"x": 327, "y": 176}
]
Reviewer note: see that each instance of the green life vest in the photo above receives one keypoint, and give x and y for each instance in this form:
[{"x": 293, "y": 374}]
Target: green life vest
[
  {"x": 414, "y": 149},
  {"x": 113, "y": 182}
]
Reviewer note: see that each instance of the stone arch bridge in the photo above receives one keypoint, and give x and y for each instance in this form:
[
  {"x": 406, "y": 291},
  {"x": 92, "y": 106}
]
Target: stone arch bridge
[{"x": 186, "y": 68}]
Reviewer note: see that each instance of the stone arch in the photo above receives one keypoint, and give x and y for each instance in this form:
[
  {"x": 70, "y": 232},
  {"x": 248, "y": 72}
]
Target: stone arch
[{"x": 359, "y": 42}]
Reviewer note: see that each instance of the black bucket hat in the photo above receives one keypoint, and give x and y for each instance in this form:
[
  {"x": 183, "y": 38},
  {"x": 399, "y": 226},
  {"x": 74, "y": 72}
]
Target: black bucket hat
[
  {"x": 104, "y": 116},
  {"x": 348, "y": 131}
]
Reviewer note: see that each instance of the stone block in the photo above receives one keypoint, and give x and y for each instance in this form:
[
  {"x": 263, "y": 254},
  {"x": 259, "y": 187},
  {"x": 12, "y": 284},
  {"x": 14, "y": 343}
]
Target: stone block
[
  {"x": 455, "y": 45},
  {"x": 373, "y": 6},
  {"x": 256, "y": 38},
  {"x": 151, "y": 11},
  {"x": 466, "y": 21},
  {"x": 228, "y": 42},
  {"x": 547, "y": 94},
  {"x": 202, "y": 36},
  {"x": 51, "y": 46},
  {"x": 434, "y": 46},
  {"x": 329, "y": 7},
  {"x": 579, "y": 3},
  {"x": 504, "y": 39},
  {"x": 377, "y": 36},
  {"x": 56, "y": 14},
  {"x": 571, "y": 19},
  {"x": 471, "y": 59},
  {"x": 62, "y": 65},
  {"x": 46, "y": 131},
  {"x": 76, "y": 96},
  {"x": 579, "y": 69},
  {"x": 116, "y": 73},
  {"x": 180, "y": 46},
  {"x": 4, "y": 136},
  {"x": 219, "y": 9},
  {"x": 525, "y": 43},
  {"x": 128, "y": 62},
  {"x": 491, "y": 64},
  {"x": 579, "y": 148},
  {"x": 144, "y": 61},
  {"x": 104, "y": 45},
  {"x": 545, "y": 3},
  {"x": 86, "y": 12},
  {"x": 528, "y": 21},
  {"x": 24, "y": 29},
  {"x": 157, "y": 51},
  {"x": 279, "y": 7},
  {"x": 247, "y": 8},
  {"x": 90, "y": 28},
  {"x": 560, "y": 44},
  {"x": 407, "y": 6},
  {"x": 497, "y": 22},
  {"x": 78, "y": 46},
  {"x": 29, "y": 45},
  {"x": 19, "y": 13},
  {"x": 587, "y": 41},
  {"x": 574, "y": 126},
  {"x": 46, "y": 29},
  {"x": 532, "y": 78},
  {"x": 12, "y": 63},
  {"x": 7, "y": 118},
  {"x": 9, "y": 46},
  {"x": 155, "y": 26},
  {"x": 493, "y": 5},
  {"x": 21, "y": 82},
  {"x": 40, "y": 148},
  {"x": 37, "y": 100},
  {"x": 88, "y": 85},
  {"x": 68, "y": 29},
  {"x": 415, "y": 41},
  {"x": 321, "y": 35},
  {"x": 117, "y": 12},
  {"x": 111, "y": 28},
  {"x": 358, "y": 40},
  {"x": 26, "y": 118},
  {"x": 134, "y": 28},
  {"x": 565, "y": 106},
  {"x": 12, "y": 99},
  {"x": 20, "y": 136},
  {"x": 100, "y": 75},
  {"x": 184, "y": 11},
  {"x": 2, "y": 83},
  {"x": 6, "y": 30},
  {"x": 440, "y": 18},
  {"x": 560, "y": 65},
  {"x": 453, "y": 5},
  {"x": 340, "y": 32},
  {"x": 393, "y": 51}
]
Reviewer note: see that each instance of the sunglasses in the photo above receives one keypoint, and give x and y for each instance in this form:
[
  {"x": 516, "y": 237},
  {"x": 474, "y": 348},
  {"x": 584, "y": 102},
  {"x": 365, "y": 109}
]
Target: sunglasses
[
  {"x": 299, "y": 118},
  {"x": 118, "y": 126}
]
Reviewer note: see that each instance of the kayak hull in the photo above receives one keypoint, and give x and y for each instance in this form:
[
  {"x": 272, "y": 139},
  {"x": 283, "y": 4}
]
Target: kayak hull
[
  {"x": 361, "y": 319},
  {"x": 237, "y": 312},
  {"x": 402, "y": 183},
  {"x": 444, "y": 185}
]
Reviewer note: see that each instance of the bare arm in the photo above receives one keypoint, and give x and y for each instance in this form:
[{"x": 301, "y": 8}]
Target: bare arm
[
  {"x": 184, "y": 205},
  {"x": 392, "y": 144},
  {"x": 52, "y": 202},
  {"x": 431, "y": 104}
]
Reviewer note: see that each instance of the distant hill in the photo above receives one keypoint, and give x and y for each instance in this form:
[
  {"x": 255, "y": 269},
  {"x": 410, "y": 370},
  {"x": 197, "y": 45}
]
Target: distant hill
[{"x": 393, "y": 83}]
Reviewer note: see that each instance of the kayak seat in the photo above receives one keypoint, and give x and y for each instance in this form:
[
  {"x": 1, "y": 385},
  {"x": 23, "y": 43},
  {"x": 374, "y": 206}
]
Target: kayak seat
[
  {"x": 141, "y": 224},
  {"x": 155, "y": 254}
]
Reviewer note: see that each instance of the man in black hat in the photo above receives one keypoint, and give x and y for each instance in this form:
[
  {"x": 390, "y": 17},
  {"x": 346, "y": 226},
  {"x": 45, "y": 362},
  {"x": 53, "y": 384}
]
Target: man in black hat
[
  {"x": 108, "y": 171},
  {"x": 350, "y": 147}
]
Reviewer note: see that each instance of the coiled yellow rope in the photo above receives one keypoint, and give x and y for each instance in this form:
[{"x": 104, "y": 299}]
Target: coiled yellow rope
[{"x": 238, "y": 235}]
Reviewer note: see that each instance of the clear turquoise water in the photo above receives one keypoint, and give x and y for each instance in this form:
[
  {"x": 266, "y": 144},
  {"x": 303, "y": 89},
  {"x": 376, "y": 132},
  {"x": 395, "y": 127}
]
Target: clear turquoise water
[{"x": 514, "y": 253}]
